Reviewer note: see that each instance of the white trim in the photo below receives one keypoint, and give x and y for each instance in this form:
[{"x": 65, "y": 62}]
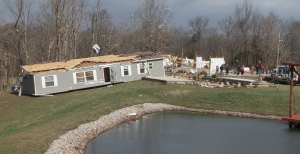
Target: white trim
[
  {"x": 138, "y": 68},
  {"x": 74, "y": 78},
  {"x": 43, "y": 82},
  {"x": 122, "y": 70},
  {"x": 129, "y": 69},
  {"x": 84, "y": 76},
  {"x": 54, "y": 80},
  {"x": 95, "y": 75},
  {"x": 34, "y": 84}
]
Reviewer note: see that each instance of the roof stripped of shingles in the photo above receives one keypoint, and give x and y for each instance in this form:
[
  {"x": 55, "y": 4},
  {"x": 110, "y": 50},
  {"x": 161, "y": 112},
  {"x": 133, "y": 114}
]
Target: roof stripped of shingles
[{"x": 77, "y": 63}]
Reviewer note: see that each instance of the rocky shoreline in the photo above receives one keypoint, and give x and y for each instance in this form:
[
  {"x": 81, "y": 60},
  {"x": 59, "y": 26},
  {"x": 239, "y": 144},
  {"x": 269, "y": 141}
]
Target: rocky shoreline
[{"x": 76, "y": 140}]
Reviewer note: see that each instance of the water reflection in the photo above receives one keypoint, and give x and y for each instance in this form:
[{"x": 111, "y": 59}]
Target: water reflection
[{"x": 179, "y": 132}]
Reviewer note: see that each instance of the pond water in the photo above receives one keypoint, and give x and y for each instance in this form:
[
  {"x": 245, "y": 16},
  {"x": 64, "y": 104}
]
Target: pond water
[{"x": 181, "y": 132}]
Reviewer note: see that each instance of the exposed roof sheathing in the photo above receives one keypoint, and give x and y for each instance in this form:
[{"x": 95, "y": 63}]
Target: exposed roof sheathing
[
  {"x": 89, "y": 62},
  {"x": 77, "y": 63}
]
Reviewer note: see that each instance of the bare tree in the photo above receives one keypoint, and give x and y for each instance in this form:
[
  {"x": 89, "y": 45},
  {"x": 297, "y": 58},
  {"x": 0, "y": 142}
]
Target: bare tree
[
  {"x": 243, "y": 16},
  {"x": 227, "y": 26},
  {"x": 198, "y": 26},
  {"x": 150, "y": 20}
]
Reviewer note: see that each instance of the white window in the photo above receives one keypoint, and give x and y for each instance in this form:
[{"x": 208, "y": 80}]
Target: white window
[
  {"x": 126, "y": 70},
  {"x": 150, "y": 66},
  {"x": 81, "y": 77},
  {"x": 141, "y": 68},
  {"x": 49, "y": 81}
]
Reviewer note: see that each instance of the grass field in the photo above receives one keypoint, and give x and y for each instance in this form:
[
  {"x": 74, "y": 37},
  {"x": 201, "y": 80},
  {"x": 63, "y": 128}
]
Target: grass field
[{"x": 30, "y": 124}]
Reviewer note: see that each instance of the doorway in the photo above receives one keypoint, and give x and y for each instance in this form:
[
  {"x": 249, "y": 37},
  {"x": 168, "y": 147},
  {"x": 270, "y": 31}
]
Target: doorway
[{"x": 106, "y": 74}]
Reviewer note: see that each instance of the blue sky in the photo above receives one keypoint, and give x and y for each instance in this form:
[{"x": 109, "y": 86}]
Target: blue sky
[{"x": 184, "y": 10}]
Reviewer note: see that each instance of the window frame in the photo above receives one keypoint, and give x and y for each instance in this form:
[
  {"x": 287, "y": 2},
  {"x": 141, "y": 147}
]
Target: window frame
[
  {"x": 139, "y": 68},
  {"x": 44, "y": 85},
  {"x": 85, "y": 76},
  {"x": 128, "y": 69},
  {"x": 142, "y": 67},
  {"x": 151, "y": 65}
]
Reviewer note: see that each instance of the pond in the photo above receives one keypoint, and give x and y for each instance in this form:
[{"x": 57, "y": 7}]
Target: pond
[{"x": 181, "y": 132}]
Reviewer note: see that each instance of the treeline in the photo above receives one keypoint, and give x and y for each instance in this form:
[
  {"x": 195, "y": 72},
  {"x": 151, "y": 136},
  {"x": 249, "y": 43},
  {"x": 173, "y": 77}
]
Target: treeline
[{"x": 60, "y": 30}]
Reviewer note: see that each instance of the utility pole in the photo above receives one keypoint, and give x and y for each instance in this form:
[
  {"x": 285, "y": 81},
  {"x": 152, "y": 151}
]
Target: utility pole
[
  {"x": 278, "y": 50},
  {"x": 181, "y": 57}
]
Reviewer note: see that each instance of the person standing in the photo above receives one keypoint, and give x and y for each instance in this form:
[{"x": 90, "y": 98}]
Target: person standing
[
  {"x": 227, "y": 69},
  {"x": 284, "y": 71},
  {"x": 238, "y": 70},
  {"x": 257, "y": 69},
  {"x": 252, "y": 70},
  {"x": 217, "y": 69},
  {"x": 242, "y": 70},
  {"x": 280, "y": 71},
  {"x": 261, "y": 68},
  {"x": 222, "y": 69}
]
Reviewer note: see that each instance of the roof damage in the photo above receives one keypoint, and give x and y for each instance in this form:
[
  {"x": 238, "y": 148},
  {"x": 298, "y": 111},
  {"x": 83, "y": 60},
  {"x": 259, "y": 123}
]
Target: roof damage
[{"x": 88, "y": 62}]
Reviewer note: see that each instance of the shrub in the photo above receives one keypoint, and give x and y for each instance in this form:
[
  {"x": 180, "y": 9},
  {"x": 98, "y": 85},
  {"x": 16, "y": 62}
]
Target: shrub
[{"x": 214, "y": 76}]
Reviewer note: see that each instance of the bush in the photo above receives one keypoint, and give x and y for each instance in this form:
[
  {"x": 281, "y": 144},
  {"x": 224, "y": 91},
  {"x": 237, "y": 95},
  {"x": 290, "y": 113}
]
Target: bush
[
  {"x": 214, "y": 76},
  {"x": 205, "y": 75}
]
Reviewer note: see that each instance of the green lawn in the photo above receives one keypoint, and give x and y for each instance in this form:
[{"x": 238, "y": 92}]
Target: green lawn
[{"x": 30, "y": 124}]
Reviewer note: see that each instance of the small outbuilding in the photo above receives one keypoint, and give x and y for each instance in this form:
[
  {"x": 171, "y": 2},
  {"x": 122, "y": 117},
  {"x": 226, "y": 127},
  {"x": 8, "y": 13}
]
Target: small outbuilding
[{"x": 50, "y": 78}]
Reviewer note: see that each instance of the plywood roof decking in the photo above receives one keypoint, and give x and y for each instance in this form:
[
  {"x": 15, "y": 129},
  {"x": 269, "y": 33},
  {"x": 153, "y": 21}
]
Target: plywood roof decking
[{"x": 77, "y": 63}]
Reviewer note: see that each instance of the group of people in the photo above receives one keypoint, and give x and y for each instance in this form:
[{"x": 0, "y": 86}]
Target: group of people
[
  {"x": 260, "y": 69},
  {"x": 222, "y": 68},
  {"x": 283, "y": 71}
]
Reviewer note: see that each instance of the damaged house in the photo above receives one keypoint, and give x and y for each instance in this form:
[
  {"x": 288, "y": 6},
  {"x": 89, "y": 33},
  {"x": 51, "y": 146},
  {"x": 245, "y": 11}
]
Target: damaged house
[{"x": 49, "y": 78}]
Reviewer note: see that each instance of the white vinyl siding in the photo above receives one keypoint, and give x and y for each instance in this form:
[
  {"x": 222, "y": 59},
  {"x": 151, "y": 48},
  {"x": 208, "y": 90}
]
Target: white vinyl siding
[
  {"x": 82, "y": 77},
  {"x": 126, "y": 70},
  {"x": 49, "y": 81},
  {"x": 150, "y": 66}
]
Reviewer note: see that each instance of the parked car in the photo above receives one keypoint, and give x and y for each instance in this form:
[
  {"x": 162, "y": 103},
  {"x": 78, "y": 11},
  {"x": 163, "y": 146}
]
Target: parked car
[
  {"x": 276, "y": 79},
  {"x": 276, "y": 70}
]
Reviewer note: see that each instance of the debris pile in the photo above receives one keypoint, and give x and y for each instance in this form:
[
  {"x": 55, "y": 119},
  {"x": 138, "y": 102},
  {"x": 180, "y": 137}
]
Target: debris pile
[{"x": 212, "y": 84}]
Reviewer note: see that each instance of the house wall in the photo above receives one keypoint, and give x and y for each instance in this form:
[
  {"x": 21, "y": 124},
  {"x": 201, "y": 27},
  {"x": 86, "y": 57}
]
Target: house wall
[
  {"x": 158, "y": 68},
  {"x": 65, "y": 81},
  {"x": 28, "y": 85}
]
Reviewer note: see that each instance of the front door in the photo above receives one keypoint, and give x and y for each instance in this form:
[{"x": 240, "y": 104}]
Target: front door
[{"x": 113, "y": 75}]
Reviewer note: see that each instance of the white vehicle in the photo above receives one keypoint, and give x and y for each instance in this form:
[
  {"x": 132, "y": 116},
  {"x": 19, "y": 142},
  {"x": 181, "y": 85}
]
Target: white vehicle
[{"x": 280, "y": 68}]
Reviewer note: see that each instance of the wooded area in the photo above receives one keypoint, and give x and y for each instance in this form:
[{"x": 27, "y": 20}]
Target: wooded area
[{"x": 60, "y": 30}]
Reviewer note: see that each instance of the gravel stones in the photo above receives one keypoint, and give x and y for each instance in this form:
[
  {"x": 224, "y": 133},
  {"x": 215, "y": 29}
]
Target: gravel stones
[{"x": 76, "y": 140}]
